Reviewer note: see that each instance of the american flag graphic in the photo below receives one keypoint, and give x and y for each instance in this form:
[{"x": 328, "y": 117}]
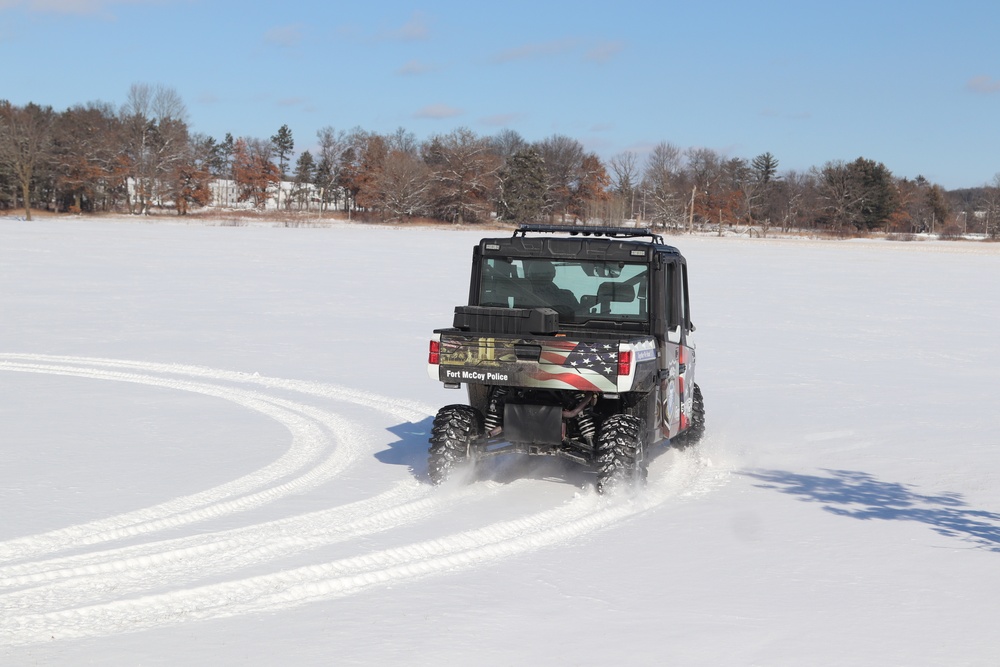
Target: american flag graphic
[{"x": 584, "y": 366}]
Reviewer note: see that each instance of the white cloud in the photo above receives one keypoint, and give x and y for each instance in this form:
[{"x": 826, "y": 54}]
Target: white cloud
[
  {"x": 535, "y": 50},
  {"x": 415, "y": 68},
  {"x": 413, "y": 30},
  {"x": 76, "y": 7},
  {"x": 600, "y": 52},
  {"x": 786, "y": 115},
  {"x": 437, "y": 112},
  {"x": 983, "y": 84},
  {"x": 604, "y": 51},
  {"x": 284, "y": 36}
]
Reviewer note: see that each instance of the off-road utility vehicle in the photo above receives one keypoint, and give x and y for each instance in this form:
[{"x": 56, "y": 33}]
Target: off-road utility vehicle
[{"x": 576, "y": 343}]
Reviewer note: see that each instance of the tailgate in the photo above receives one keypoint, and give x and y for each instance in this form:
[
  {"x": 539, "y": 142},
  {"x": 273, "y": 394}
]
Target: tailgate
[{"x": 549, "y": 363}]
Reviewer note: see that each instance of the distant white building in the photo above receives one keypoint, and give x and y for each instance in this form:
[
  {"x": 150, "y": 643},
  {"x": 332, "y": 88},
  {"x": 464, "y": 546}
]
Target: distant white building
[{"x": 226, "y": 194}]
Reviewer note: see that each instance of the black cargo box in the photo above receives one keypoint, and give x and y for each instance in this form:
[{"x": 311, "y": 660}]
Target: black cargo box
[{"x": 482, "y": 319}]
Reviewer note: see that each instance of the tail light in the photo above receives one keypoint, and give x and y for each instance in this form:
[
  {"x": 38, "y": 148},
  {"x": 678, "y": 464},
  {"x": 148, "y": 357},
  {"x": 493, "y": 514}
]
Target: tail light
[
  {"x": 624, "y": 362},
  {"x": 434, "y": 355}
]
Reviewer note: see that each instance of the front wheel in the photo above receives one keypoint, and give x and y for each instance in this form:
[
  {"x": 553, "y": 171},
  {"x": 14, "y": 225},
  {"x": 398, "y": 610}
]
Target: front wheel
[
  {"x": 453, "y": 436},
  {"x": 621, "y": 453}
]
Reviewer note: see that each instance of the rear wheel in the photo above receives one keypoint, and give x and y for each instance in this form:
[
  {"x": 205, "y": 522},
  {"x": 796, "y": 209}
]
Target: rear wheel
[
  {"x": 452, "y": 442},
  {"x": 696, "y": 429},
  {"x": 621, "y": 453}
]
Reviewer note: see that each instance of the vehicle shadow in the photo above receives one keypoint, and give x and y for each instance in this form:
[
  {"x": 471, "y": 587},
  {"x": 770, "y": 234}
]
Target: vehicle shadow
[
  {"x": 860, "y": 495},
  {"x": 410, "y": 449}
]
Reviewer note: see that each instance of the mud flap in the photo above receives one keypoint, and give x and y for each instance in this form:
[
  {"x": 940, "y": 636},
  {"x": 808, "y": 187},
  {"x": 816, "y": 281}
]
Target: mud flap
[{"x": 535, "y": 424}]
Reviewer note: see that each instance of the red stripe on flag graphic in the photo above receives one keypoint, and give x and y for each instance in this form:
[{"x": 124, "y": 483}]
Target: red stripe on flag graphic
[{"x": 573, "y": 379}]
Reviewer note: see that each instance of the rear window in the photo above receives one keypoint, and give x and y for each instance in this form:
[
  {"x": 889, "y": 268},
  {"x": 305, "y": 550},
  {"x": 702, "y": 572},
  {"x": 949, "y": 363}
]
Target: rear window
[{"x": 579, "y": 291}]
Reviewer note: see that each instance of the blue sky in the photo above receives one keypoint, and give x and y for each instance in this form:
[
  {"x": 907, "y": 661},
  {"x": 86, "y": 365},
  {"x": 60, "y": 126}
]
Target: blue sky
[{"x": 915, "y": 85}]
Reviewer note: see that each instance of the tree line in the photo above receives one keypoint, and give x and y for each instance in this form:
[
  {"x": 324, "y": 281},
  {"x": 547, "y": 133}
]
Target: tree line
[{"x": 143, "y": 155}]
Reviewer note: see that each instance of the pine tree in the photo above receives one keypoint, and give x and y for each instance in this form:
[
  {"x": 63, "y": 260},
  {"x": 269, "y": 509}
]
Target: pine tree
[
  {"x": 765, "y": 167},
  {"x": 522, "y": 187},
  {"x": 283, "y": 146},
  {"x": 878, "y": 196},
  {"x": 305, "y": 167},
  {"x": 937, "y": 203},
  {"x": 224, "y": 165}
]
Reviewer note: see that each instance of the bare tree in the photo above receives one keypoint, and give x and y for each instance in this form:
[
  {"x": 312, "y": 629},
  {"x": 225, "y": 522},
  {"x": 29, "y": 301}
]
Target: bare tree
[
  {"x": 838, "y": 193},
  {"x": 360, "y": 163},
  {"x": 591, "y": 191},
  {"x": 167, "y": 103},
  {"x": 661, "y": 180},
  {"x": 155, "y": 139},
  {"x": 717, "y": 185},
  {"x": 403, "y": 141},
  {"x": 371, "y": 154},
  {"x": 506, "y": 143},
  {"x": 793, "y": 199},
  {"x": 189, "y": 177},
  {"x": 990, "y": 206},
  {"x": 404, "y": 185},
  {"x": 862, "y": 194},
  {"x": 25, "y": 143},
  {"x": 625, "y": 178},
  {"x": 464, "y": 169},
  {"x": 738, "y": 186},
  {"x": 563, "y": 157},
  {"x": 919, "y": 203},
  {"x": 384, "y": 174},
  {"x": 254, "y": 171},
  {"x": 86, "y": 158},
  {"x": 332, "y": 145}
]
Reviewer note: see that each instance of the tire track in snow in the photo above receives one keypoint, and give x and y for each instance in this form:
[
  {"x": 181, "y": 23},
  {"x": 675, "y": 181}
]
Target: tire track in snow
[
  {"x": 297, "y": 467},
  {"x": 76, "y": 596},
  {"x": 91, "y": 578},
  {"x": 310, "y": 427},
  {"x": 285, "y": 589},
  {"x": 409, "y": 410}
]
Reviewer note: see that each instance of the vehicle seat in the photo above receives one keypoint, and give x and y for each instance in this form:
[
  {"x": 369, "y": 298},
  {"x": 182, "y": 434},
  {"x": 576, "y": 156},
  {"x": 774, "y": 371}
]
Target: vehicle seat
[{"x": 609, "y": 292}]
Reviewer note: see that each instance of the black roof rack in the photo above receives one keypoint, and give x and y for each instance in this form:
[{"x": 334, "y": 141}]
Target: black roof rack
[{"x": 586, "y": 230}]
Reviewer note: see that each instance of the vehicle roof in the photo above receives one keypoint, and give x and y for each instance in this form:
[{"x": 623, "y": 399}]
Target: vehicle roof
[{"x": 579, "y": 242}]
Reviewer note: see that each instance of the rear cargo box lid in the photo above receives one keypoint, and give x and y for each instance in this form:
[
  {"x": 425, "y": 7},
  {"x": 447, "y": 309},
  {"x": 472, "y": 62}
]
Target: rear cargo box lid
[{"x": 483, "y": 319}]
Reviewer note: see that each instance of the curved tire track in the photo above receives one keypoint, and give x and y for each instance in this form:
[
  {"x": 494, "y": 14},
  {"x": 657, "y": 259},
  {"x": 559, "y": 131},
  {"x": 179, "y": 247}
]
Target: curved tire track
[
  {"x": 294, "y": 471},
  {"x": 91, "y": 594}
]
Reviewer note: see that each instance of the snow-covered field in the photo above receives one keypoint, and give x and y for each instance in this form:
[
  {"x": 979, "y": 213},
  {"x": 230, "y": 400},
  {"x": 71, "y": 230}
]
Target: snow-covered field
[{"x": 212, "y": 451}]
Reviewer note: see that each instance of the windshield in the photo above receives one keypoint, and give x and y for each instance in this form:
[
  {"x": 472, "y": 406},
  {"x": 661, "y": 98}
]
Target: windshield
[{"x": 579, "y": 291}]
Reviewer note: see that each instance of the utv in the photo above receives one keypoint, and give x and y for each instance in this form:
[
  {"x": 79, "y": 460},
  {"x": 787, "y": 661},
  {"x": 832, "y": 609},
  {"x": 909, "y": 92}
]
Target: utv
[{"x": 576, "y": 343}]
